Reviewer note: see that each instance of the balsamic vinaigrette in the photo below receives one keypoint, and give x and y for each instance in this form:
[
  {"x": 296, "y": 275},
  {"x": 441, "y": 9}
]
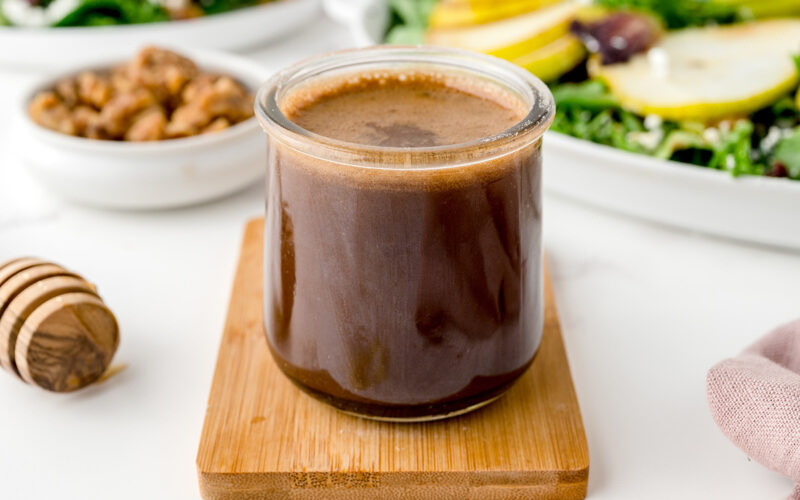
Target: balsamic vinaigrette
[{"x": 396, "y": 293}]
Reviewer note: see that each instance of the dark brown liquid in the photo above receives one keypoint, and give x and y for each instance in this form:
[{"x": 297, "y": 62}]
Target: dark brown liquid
[
  {"x": 416, "y": 112},
  {"x": 403, "y": 293}
]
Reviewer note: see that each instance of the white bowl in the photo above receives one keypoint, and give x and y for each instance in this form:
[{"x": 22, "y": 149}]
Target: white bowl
[
  {"x": 150, "y": 175},
  {"x": 756, "y": 209},
  {"x": 49, "y": 48}
]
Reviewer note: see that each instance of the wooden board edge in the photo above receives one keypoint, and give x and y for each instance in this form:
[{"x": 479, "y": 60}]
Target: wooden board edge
[
  {"x": 487, "y": 485},
  {"x": 552, "y": 318},
  {"x": 253, "y": 225}
]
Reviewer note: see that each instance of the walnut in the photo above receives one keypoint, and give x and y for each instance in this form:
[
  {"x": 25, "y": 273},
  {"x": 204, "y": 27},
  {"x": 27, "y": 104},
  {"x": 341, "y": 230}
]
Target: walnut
[
  {"x": 199, "y": 85},
  {"x": 187, "y": 120},
  {"x": 48, "y": 110},
  {"x": 219, "y": 124},
  {"x": 163, "y": 72},
  {"x": 87, "y": 123},
  {"x": 120, "y": 80},
  {"x": 119, "y": 112},
  {"x": 94, "y": 89},
  {"x": 67, "y": 90},
  {"x": 227, "y": 98},
  {"x": 148, "y": 125}
]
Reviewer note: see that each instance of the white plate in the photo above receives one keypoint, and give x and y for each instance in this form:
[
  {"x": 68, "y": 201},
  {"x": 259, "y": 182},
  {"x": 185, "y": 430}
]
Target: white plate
[
  {"x": 756, "y": 209},
  {"x": 149, "y": 175},
  {"x": 62, "y": 47}
]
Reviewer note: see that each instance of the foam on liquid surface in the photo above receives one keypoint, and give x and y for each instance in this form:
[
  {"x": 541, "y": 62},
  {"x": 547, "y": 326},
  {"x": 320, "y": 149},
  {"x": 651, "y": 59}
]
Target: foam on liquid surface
[{"x": 404, "y": 108}]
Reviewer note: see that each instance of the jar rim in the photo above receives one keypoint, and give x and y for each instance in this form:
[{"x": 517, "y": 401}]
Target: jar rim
[{"x": 526, "y": 131}]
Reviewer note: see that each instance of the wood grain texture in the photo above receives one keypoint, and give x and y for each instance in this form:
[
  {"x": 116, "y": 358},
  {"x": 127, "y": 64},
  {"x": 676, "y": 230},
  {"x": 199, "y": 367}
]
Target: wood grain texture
[
  {"x": 23, "y": 279},
  {"x": 263, "y": 438},
  {"x": 24, "y": 303},
  {"x": 12, "y": 267},
  {"x": 67, "y": 342}
]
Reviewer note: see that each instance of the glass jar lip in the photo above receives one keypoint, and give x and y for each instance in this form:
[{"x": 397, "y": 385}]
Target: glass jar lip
[{"x": 529, "y": 129}]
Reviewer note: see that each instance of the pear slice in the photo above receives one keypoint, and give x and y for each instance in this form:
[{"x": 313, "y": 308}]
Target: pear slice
[
  {"x": 708, "y": 73},
  {"x": 513, "y": 37},
  {"x": 462, "y": 13},
  {"x": 554, "y": 59}
]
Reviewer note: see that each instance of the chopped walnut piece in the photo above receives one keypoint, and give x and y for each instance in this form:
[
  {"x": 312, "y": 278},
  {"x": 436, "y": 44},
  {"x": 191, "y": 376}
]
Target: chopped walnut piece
[
  {"x": 120, "y": 80},
  {"x": 199, "y": 85},
  {"x": 187, "y": 120},
  {"x": 49, "y": 111},
  {"x": 148, "y": 125},
  {"x": 87, "y": 123},
  {"x": 67, "y": 90},
  {"x": 230, "y": 100},
  {"x": 118, "y": 114},
  {"x": 220, "y": 123},
  {"x": 94, "y": 89},
  {"x": 162, "y": 71}
]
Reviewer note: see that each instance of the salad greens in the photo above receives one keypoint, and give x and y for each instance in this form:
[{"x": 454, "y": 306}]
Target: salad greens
[
  {"x": 409, "y": 21},
  {"x": 764, "y": 143},
  {"x": 109, "y": 12},
  {"x": 218, "y": 6},
  {"x": 746, "y": 146}
]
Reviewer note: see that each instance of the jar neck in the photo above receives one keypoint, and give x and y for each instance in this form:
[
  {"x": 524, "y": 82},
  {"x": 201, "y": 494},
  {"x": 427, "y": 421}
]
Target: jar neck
[{"x": 483, "y": 69}]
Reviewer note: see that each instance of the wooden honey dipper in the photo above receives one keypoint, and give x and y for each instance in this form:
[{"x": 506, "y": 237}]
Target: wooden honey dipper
[{"x": 55, "y": 330}]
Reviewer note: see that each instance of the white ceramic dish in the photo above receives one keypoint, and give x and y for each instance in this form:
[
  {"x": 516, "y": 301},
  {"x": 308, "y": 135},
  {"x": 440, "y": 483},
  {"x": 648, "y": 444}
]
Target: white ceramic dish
[
  {"x": 51, "y": 48},
  {"x": 756, "y": 209},
  {"x": 152, "y": 175}
]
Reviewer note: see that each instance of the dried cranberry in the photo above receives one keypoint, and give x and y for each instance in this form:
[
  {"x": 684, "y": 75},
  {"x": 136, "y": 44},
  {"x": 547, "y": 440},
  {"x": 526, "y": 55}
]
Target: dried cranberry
[
  {"x": 778, "y": 170},
  {"x": 619, "y": 36}
]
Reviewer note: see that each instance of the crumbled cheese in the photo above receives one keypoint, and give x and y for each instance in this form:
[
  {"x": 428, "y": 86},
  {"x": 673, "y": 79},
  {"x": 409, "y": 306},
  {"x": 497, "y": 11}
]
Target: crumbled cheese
[
  {"x": 659, "y": 62},
  {"x": 652, "y": 122},
  {"x": 730, "y": 162},
  {"x": 22, "y": 13},
  {"x": 773, "y": 137},
  {"x": 649, "y": 140},
  {"x": 712, "y": 135}
]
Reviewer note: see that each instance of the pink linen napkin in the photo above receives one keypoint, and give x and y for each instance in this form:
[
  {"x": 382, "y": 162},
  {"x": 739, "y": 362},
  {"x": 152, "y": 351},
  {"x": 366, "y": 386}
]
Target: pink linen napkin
[{"x": 755, "y": 400}]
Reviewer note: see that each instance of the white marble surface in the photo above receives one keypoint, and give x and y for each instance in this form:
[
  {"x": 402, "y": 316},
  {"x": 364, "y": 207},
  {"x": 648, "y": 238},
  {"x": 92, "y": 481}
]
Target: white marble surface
[{"x": 646, "y": 310}]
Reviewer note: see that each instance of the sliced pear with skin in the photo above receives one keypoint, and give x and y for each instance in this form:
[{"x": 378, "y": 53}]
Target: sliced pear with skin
[
  {"x": 510, "y": 38},
  {"x": 450, "y": 14},
  {"x": 708, "y": 73},
  {"x": 554, "y": 59}
]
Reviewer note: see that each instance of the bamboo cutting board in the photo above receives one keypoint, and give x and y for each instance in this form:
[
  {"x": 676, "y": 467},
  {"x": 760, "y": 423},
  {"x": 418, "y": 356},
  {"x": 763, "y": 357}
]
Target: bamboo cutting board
[{"x": 265, "y": 439}]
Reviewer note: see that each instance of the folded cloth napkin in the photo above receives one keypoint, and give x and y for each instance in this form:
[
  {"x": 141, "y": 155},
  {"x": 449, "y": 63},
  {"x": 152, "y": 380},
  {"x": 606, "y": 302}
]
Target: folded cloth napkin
[{"x": 755, "y": 400}]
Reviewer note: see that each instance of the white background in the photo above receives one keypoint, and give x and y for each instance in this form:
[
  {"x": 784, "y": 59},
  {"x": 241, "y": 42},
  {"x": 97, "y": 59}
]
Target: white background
[{"x": 646, "y": 310}]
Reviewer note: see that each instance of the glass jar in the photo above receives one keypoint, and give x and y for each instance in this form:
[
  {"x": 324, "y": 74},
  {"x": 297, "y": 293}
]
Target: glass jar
[{"x": 404, "y": 283}]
